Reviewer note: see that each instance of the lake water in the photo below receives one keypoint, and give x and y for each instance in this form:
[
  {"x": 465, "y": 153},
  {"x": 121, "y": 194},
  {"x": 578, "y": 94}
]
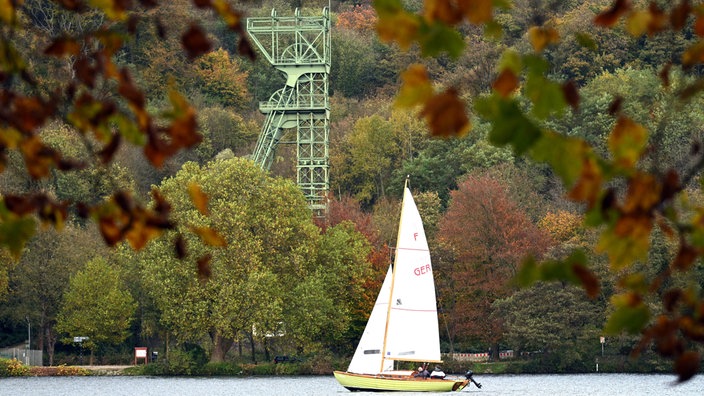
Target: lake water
[{"x": 552, "y": 385}]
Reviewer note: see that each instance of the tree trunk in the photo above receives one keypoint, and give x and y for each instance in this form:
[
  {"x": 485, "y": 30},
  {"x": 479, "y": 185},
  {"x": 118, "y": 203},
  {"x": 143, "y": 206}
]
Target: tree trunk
[
  {"x": 220, "y": 347},
  {"x": 90, "y": 360},
  {"x": 50, "y": 338},
  {"x": 251, "y": 343},
  {"x": 494, "y": 352}
]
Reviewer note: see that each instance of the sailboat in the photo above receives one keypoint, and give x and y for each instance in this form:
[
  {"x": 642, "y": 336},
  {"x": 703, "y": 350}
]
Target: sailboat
[{"x": 403, "y": 325}]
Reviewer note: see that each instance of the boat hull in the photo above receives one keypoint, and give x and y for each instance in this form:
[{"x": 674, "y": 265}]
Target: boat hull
[{"x": 365, "y": 382}]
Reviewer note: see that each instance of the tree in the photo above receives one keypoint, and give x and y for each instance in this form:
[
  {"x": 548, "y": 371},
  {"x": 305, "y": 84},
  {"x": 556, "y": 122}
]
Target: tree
[
  {"x": 372, "y": 150},
  {"x": 96, "y": 306},
  {"x": 268, "y": 257},
  {"x": 41, "y": 277},
  {"x": 489, "y": 236},
  {"x": 565, "y": 330},
  {"x": 222, "y": 79}
]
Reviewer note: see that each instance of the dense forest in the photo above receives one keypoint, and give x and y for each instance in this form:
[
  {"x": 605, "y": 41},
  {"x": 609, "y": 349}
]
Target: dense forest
[{"x": 273, "y": 280}]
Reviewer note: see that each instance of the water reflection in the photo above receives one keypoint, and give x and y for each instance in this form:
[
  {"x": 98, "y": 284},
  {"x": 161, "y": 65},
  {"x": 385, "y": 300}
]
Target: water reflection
[{"x": 554, "y": 385}]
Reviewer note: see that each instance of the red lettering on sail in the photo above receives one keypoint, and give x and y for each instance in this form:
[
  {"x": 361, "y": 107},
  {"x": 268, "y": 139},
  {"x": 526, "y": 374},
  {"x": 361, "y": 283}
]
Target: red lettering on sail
[
  {"x": 415, "y": 236},
  {"x": 422, "y": 270}
]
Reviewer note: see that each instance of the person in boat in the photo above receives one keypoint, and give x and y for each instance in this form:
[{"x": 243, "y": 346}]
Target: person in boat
[
  {"x": 437, "y": 373},
  {"x": 421, "y": 373}
]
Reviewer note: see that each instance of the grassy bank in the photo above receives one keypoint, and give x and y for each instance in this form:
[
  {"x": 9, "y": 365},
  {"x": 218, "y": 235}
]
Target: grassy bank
[{"x": 325, "y": 364}]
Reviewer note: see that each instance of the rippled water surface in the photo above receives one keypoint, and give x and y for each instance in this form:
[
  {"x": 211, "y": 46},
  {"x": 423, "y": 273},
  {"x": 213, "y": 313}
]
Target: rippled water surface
[{"x": 552, "y": 385}]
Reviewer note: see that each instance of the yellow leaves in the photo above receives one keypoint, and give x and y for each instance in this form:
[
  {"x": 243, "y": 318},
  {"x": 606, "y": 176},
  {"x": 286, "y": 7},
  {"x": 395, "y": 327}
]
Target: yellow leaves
[
  {"x": 209, "y": 236},
  {"x": 400, "y": 27},
  {"x": 637, "y": 23},
  {"x": 198, "y": 197},
  {"x": 541, "y": 36},
  {"x": 627, "y": 142},
  {"x": 231, "y": 17},
  {"x": 626, "y": 241},
  {"x": 114, "y": 9},
  {"x": 7, "y": 11},
  {"x": 415, "y": 87}
]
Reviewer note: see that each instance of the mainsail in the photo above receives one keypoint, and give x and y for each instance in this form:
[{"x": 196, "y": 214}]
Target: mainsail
[{"x": 403, "y": 324}]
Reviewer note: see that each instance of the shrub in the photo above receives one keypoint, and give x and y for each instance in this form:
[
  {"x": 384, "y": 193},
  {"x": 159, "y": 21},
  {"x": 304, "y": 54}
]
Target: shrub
[
  {"x": 12, "y": 368},
  {"x": 64, "y": 370},
  {"x": 222, "y": 369}
]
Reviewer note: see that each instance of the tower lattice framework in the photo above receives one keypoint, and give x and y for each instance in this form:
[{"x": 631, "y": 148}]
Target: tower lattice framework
[{"x": 299, "y": 46}]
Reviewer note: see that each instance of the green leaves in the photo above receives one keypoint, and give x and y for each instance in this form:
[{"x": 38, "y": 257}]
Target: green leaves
[
  {"x": 509, "y": 126},
  {"x": 15, "y": 231},
  {"x": 573, "y": 269},
  {"x": 631, "y": 315},
  {"x": 436, "y": 38}
]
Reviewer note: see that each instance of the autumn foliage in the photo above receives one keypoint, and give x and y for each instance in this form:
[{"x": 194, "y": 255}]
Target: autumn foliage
[
  {"x": 490, "y": 235},
  {"x": 105, "y": 122},
  {"x": 361, "y": 18}
]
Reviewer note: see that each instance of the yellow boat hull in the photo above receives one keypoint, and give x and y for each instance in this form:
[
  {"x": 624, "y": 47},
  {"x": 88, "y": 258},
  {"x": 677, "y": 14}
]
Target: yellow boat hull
[{"x": 365, "y": 382}]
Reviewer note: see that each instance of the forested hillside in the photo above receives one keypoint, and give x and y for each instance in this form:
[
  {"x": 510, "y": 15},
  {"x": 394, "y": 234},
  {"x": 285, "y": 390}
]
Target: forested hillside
[{"x": 253, "y": 275}]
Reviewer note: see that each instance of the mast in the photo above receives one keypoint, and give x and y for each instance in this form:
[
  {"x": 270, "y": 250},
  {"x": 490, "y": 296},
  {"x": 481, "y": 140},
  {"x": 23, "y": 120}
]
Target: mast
[{"x": 393, "y": 275}]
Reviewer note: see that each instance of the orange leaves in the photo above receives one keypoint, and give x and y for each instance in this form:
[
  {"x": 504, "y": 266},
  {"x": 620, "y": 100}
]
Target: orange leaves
[
  {"x": 477, "y": 11},
  {"x": 182, "y": 133},
  {"x": 63, "y": 46},
  {"x": 123, "y": 218},
  {"x": 453, "y": 12},
  {"x": 506, "y": 83},
  {"x": 361, "y": 18},
  {"x": 416, "y": 88},
  {"x": 446, "y": 115},
  {"x": 589, "y": 184},
  {"x": 198, "y": 197},
  {"x": 644, "y": 192},
  {"x": 609, "y": 17},
  {"x": 444, "y": 112}
]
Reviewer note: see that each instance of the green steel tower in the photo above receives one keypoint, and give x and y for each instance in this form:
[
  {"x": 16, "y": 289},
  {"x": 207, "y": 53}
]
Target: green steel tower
[{"x": 299, "y": 46}]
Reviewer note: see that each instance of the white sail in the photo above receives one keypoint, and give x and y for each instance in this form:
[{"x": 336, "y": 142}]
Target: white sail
[
  {"x": 404, "y": 323},
  {"x": 367, "y": 356},
  {"x": 412, "y": 333}
]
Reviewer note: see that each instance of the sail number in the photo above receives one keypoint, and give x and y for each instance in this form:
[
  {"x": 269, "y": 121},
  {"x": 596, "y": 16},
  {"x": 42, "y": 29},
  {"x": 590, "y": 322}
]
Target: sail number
[{"x": 423, "y": 269}]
